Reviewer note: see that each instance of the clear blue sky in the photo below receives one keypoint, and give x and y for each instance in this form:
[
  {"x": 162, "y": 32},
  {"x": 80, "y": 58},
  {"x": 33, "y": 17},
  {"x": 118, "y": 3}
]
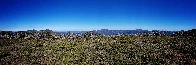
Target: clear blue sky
[{"x": 63, "y": 15}]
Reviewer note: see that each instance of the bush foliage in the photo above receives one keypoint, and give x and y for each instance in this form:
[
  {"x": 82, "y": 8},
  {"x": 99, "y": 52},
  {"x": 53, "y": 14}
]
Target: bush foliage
[{"x": 100, "y": 50}]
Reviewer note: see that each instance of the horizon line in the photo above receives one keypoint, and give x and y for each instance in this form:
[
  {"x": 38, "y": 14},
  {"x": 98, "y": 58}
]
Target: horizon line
[{"x": 93, "y": 30}]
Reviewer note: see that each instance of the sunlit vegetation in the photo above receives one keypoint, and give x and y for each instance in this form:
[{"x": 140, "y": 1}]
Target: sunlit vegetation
[{"x": 100, "y": 50}]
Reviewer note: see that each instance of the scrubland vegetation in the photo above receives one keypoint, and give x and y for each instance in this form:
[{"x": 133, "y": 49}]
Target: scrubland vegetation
[{"x": 100, "y": 50}]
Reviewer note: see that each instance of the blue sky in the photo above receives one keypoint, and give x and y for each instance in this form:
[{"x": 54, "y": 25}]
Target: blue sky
[{"x": 63, "y": 15}]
